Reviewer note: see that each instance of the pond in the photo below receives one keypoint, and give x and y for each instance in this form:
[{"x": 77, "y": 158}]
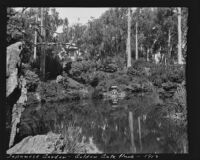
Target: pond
[{"x": 131, "y": 126}]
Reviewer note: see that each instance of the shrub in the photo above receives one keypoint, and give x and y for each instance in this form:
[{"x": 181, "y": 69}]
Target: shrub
[
  {"x": 32, "y": 80},
  {"x": 51, "y": 91},
  {"x": 161, "y": 74},
  {"x": 81, "y": 71},
  {"x": 140, "y": 64},
  {"x": 180, "y": 96},
  {"x": 72, "y": 140}
]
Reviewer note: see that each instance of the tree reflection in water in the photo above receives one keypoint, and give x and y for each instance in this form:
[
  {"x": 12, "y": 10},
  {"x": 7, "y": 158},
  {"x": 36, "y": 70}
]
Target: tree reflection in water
[
  {"x": 139, "y": 131},
  {"x": 133, "y": 147},
  {"x": 116, "y": 129}
]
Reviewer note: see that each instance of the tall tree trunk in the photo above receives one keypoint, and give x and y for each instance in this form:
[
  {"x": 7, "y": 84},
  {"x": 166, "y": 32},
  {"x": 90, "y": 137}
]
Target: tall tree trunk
[
  {"x": 42, "y": 63},
  {"x": 35, "y": 47},
  {"x": 136, "y": 41},
  {"x": 148, "y": 55},
  {"x": 180, "y": 58},
  {"x": 129, "y": 39},
  {"x": 169, "y": 46}
]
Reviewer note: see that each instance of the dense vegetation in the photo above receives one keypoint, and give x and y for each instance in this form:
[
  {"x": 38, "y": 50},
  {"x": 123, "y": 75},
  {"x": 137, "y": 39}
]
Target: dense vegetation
[
  {"x": 103, "y": 63},
  {"x": 103, "y": 38}
]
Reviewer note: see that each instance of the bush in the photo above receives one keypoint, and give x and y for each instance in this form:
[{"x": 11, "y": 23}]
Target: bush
[
  {"x": 180, "y": 96},
  {"x": 32, "y": 81},
  {"x": 51, "y": 91},
  {"x": 140, "y": 64},
  {"x": 72, "y": 140},
  {"x": 115, "y": 63},
  {"x": 133, "y": 72},
  {"x": 81, "y": 71},
  {"x": 161, "y": 74}
]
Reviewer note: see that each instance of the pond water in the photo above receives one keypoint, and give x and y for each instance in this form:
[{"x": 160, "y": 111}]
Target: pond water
[{"x": 131, "y": 126}]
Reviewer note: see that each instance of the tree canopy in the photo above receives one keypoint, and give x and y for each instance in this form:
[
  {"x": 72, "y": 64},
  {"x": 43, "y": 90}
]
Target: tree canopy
[{"x": 104, "y": 37}]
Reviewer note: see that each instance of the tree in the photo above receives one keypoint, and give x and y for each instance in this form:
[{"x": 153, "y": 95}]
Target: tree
[
  {"x": 136, "y": 41},
  {"x": 129, "y": 39},
  {"x": 136, "y": 33},
  {"x": 42, "y": 61},
  {"x": 180, "y": 58},
  {"x": 35, "y": 48}
]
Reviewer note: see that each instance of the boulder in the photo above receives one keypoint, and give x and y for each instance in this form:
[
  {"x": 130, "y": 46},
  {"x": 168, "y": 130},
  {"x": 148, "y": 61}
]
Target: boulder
[
  {"x": 15, "y": 82},
  {"x": 17, "y": 110},
  {"x": 12, "y": 82},
  {"x": 55, "y": 144},
  {"x": 13, "y": 61},
  {"x": 35, "y": 144},
  {"x": 59, "y": 78}
]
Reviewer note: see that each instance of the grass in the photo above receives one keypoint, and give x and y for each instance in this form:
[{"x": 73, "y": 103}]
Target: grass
[{"x": 72, "y": 141}]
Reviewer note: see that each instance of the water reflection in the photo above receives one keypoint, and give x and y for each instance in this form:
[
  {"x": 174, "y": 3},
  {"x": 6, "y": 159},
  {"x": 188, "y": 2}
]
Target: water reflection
[
  {"x": 133, "y": 147},
  {"x": 123, "y": 128},
  {"x": 140, "y": 134}
]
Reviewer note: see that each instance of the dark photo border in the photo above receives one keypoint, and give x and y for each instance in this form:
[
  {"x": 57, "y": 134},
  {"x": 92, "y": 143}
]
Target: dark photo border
[{"x": 192, "y": 68}]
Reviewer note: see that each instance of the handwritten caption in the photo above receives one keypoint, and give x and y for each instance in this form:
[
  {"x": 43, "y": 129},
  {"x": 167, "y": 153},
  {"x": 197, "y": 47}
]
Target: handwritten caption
[{"x": 82, "y": 156}]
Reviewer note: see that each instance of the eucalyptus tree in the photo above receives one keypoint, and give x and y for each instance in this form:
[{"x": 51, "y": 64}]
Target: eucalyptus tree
[
  {"x": 145, "y": 27},
  {"x": 106, "y": 36},
  {"x": 173, "y": 24},
  {"x": 52, "y": 22},
  {"x": 20, "y": 28},
  {"x": 180, "y": 59},
  {"x": 129, "y": 39},
  {"x": 166, "y": 19},
  {"x": 184, "y": 28},
  {"x": 182, "y": 15}
]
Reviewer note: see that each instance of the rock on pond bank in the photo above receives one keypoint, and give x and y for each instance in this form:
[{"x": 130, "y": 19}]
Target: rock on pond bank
[{"x": 52, "y": 143}]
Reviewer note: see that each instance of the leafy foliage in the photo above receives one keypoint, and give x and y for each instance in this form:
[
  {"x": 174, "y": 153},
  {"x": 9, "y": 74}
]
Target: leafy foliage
[
  {"x": 161, "y": 74},
  {"x": 103, "y": 37}
]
